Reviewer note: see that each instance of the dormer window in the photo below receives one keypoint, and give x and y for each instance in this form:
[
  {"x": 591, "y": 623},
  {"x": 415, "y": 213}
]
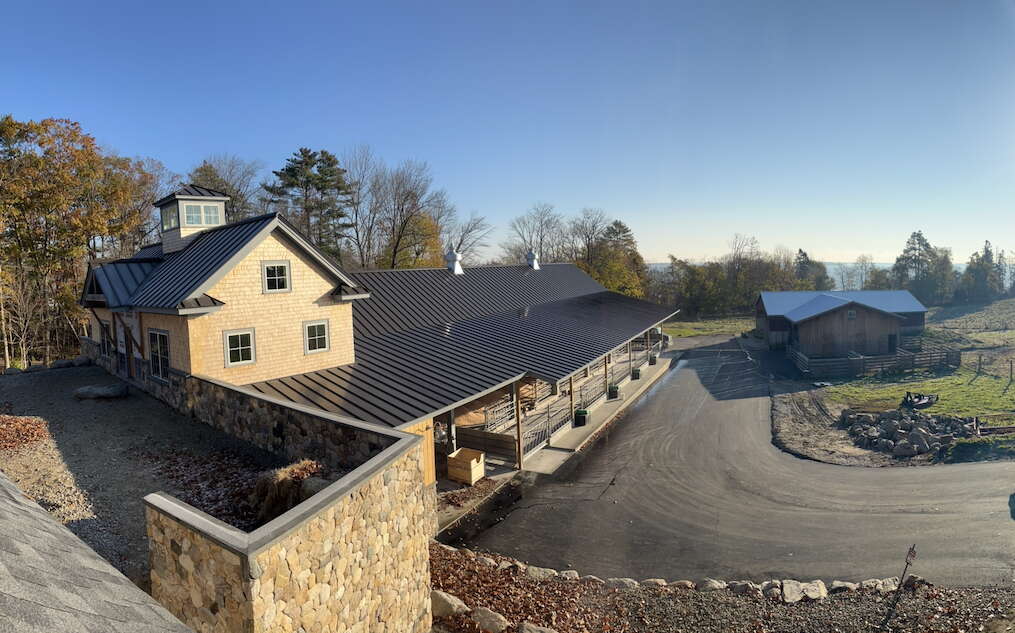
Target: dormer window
[
  {"x": 275, "y": 277},
  {"x": 193, "y": 212},
  {"x": 201, "y": 214},
  {"x": 211, "y": 214},
  {"x": 170, "y": 217}
]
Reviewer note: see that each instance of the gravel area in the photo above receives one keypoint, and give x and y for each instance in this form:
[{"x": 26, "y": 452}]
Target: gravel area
[
  {"x": 584, "y": 606},
  {"x": 100, "y": 458}
]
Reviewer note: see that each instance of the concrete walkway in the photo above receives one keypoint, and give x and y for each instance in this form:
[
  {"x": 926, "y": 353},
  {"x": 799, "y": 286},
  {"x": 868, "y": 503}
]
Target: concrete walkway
[{"x": 571, "y": 439}]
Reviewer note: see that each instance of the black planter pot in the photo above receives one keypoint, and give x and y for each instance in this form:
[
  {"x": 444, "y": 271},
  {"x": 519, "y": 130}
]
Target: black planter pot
[
  {"x": 613, "y": 392},
  {"x": 636, "y": 373},
  {"x": 581, "y": 417},
  {"x": 652, "y": 359}
]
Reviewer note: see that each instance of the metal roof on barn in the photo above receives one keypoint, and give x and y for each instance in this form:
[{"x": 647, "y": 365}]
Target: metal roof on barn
[
  {"x": 406, "y": 299},
  {"x": 800, "y": 305},
  {"x": 404, "y": 375}
]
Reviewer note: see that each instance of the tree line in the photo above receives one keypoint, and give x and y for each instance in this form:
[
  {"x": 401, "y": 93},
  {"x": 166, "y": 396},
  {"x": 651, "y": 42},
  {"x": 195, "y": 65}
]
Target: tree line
[{"x": 65, "y": 201}]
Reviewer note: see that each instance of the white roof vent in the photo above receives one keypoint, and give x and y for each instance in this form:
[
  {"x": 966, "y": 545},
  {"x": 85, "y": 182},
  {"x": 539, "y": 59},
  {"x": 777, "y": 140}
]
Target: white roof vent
[
  {"x": 454, "y": 261},
  {"x": 532, "y": 260}
]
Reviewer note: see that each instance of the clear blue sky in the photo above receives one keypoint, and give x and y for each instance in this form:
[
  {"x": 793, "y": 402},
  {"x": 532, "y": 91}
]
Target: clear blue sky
[{"x": 836, "y": 127}]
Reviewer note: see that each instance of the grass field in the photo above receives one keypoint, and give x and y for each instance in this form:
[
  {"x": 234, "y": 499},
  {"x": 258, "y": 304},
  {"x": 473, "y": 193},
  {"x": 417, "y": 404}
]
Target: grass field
[{"x": 731, "y": 326}]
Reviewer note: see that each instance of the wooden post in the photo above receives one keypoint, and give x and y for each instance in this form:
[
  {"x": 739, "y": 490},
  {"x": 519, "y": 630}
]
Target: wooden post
[
  {"x": 1009, "y": 370},
  {"x": 571, "y": 393},
  {"x": 979, "y": 363},
  {"x": 518, "y": 423},
  {"x": 452, "y": 439},
  {"x": 630, "y": 355},
  {"x": 606, "y": 376}
]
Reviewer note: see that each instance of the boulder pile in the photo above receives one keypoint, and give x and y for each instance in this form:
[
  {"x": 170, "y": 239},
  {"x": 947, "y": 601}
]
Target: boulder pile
[{"x": 904, "y": 433}]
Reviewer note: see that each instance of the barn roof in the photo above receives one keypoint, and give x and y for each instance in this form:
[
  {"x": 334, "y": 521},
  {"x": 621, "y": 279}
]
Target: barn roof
[
  {"x": 401, "y": 376},
  {"x": 800, "y": 305},
  {"x": 405, "y": 299}
]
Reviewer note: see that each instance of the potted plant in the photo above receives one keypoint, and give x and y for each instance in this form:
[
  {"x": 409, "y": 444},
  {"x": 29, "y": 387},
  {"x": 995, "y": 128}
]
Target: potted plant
[{"x": 581, "y": 417}]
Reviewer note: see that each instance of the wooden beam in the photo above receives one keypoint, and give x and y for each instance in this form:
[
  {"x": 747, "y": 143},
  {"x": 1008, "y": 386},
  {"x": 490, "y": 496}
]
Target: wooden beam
[
  {"x": 571, "y": 393},
  {"x": 518, "y": 423},
  {"x": 606, "y": 377}
]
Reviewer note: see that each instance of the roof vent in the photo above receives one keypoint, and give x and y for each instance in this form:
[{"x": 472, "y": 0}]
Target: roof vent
[
  {"x": 454, "y": 261},
  {"x": 533, "y": 260}
]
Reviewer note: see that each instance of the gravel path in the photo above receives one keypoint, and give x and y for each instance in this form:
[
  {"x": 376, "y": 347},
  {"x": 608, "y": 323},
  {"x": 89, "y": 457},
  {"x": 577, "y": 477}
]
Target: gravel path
[
  {"x": 584, "y": 606},
  {"x": 103, "y": 457}
]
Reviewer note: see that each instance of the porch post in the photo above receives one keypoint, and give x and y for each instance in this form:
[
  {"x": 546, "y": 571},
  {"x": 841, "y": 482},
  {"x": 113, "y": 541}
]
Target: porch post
[
  {"x": 647, "y": 343},
  {"x": 630, "y": 356},
  {"x": 570, "y": 381},
  {"x": 518, "y": 423},
  {"x": 452, "y": 440},
  {"x": 606, "y": 376}
]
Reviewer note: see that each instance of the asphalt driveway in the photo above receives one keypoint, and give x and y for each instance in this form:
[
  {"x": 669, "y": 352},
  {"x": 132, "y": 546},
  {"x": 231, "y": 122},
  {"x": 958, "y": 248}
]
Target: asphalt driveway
[{"x": 689, "y": 484}]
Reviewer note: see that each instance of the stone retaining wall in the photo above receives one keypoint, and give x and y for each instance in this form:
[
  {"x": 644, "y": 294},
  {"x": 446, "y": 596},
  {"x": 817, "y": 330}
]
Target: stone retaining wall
[{"x": 352, "y": 557}]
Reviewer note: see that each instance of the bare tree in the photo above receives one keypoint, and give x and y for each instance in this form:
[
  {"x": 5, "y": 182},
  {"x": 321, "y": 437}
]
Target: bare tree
[
  {"x": 469, "y": 237},
  {"x": 541, "y": 230},
  {"x": 366, "y": 176},
  {"x": 585, "y": 232},
  {"x": 864, "y": 265},
  {"x": 405, "y": 199},
  {"x": 234, "y": 176},
  {"x": 846, "y": 276}
]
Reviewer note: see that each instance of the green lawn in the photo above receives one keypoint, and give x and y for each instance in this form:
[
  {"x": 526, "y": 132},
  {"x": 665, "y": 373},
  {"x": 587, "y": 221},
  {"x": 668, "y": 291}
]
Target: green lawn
[
  {"x": 732, "y": 326},
  {"x": 961, "y": 392}
]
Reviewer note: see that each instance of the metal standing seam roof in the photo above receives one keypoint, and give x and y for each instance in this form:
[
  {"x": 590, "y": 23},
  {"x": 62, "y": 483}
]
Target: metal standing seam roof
[
  {"x": 52, "y": 582},
  {"x": 120, "y": 279},
  {"x": 895, "y": 301},
  {"x": 192, "y": 191},
  {"x": 406, "y": 299},
  {"x": 405, "y": 375}
]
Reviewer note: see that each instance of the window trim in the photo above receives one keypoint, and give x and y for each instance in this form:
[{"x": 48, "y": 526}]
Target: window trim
[
  {"x": 288, "y": 276},
  {"x": 218, "y": 214},
  {"x": 151, "y": 366},
  {"x": 253, "y": 346},
  {"x": 105, "y": 342},
  {"x": 306, "y": 337},
  {"x": 200, "y": 213}
]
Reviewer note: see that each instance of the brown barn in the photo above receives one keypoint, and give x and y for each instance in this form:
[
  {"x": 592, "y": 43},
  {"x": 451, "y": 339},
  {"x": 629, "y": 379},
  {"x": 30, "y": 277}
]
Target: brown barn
[{"x": 835, "y": 324}]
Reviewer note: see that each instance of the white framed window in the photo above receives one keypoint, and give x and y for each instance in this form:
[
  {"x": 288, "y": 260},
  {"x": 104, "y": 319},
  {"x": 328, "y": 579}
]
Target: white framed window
[
  {"x": 170, "y": 216},
  {"x": 275, "y": 276},
  {"x": 192, "y": 213},
  {"x": 850, "y": 314},
  {"x": 211, "y": 214},
  {"x": 239, "y": 347},
  {"x": 315, "y": 337},
  {"x": 158, "y": 353}
]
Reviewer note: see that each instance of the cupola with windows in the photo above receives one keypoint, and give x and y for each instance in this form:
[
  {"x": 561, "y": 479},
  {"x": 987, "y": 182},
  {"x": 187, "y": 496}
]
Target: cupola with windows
[{"x": 188, "y": 211}]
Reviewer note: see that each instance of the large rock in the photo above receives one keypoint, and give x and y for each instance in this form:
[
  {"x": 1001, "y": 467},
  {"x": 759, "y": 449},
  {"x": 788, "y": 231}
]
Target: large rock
[
  {"x": 569, "y": 574},
  {"x": 34, "y": 368},
  {"x": 593, "y": 579},
  {"x": 82, "y": 361},
  {"x": 115, "y": 390},
  {"x": 814, "y": 590},
  {"x": 889, "y": 585},
  {"x": 773, "y": 593},
  {"x": 839, "y": 586},
  {"x": 489, "y": 620},
  {"x": 653, "y": 582},
  {"x": 872, "y": 584},
  {"x": 622, "y": 583},
  {"x": 63, "y": 363},
  {"x": 444, "y": 604},
  {"x": 682, "y": 584},
  {"x": 913, "y": 581},
  {"x": 10, "y": 371},
  {"x": 540, "y": 573},
  {"x": 745, "y": 588},
  {"x": 904, "y": 449},
  {"x": 710, "y": 584},
  {"x": 528, "y": 627},
  {"x": 792, "y": 591}
]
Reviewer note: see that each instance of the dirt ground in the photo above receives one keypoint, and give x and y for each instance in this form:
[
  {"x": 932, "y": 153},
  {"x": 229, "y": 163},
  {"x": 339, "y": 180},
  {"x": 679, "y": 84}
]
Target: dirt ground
[
  {"x": 804, "y": 424},
  {"x": 102, "y": 457}
]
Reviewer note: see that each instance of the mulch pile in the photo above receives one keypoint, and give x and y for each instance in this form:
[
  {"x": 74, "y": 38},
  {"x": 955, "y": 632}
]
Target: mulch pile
[
  {"x": 218, "y": 483},
  {"x": 460, "y": 497},
  {"x": 17, "y": 431},
  {"x": 588, "y": 607}
]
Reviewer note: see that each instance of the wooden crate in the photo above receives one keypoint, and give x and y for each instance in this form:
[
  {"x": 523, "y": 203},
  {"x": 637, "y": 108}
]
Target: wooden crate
[{"x": 466, "y": 466}]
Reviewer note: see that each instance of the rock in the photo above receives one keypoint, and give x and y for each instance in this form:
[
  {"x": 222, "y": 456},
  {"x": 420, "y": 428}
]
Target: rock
[
  {"x": 311, "y": 486},
  {"x": 919, "y": 441},
  {"x": 682, "y": 584},
  {"x": 444, "y": 604},
  {"x": 745, "y": 588},
  {"x": 815, "y": 590},
  {"x": 540, "y": 573},
  {"x": 81, "y": 361},
  {"x": 710, "y": 584},
  {"x": 489, "y": 620},
  {"x": 913, "y": 582},
  {"x": 115, "y": 390},
  {"x": 945, "y": 440},
  {"x": 466, "y": 552},
  {"x": 63, "y": 363},
  {"x": 904, "y": 449},
  {"x": 622, "y": 583},
  {"x": 10, "y": 371},
  {"x": 768, "y": 584},
  {"x": 486, "y": 560},
  {"x": 528, "y": 627},
  {"x": 34, "y": 368},
  {"x": 569, "y": 574},
  {"x": 653, "y": 582},
  {"x": 873, "y": 584},
  {"x": 595, "y": 579},
  {"x": 886, "y": 446},
  {"x": 839, "y": 586},
  {"x": 504, "y": 564},
  {"x": 447, "y": 548},
  {"x": 774, "y": 593},
  {"x": 792, "y": 591},
  {"x": 889, "y": 585}
]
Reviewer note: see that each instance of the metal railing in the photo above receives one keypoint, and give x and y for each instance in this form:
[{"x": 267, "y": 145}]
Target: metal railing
[{"x": 541, "y": 423}]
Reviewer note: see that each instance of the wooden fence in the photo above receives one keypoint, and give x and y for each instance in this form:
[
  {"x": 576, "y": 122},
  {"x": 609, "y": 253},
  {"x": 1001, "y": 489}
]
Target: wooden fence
[
  {"x": 928, "y": 357},
  {"x": 503, "y": 445}
]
